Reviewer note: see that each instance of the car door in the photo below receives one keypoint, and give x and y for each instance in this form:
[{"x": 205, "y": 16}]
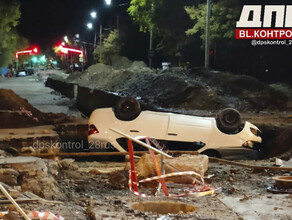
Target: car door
[
  {"x": 152, "y": 124},
  {"x": 188, "y": 128}
]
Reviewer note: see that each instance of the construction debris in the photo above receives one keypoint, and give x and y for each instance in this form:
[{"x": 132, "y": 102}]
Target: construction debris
[
  {"x": 199, "y": 188},
  {"x": 34, "y": 175},
  {"x": 196, "y": 163},
  {"x": 44, "y": 216},
  {"x": 23, "y": 214}
]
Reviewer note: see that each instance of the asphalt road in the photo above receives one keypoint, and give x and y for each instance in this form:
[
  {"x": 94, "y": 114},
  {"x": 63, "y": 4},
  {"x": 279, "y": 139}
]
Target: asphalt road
[{"x": 43, "y": 98}]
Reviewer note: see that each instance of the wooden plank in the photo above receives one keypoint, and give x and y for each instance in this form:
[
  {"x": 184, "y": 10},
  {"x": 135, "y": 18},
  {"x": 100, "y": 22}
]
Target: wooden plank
[
  {"x": 87, "y": 154},
  {"x": 18, "y": 208},
  {"x": 212, "y": 159}
]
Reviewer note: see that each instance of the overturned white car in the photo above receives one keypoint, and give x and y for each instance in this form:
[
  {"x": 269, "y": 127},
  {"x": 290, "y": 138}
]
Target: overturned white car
[{"x": 181, "y": 132}]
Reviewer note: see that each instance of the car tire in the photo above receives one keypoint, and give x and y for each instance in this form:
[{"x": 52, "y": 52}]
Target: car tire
[
  {"x": 127, "y": 109},
  {"x": 228, "y": 120}
]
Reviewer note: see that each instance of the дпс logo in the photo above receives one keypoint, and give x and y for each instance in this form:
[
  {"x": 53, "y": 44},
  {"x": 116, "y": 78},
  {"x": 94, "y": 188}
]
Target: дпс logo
[{"x": 250, "y": 25}]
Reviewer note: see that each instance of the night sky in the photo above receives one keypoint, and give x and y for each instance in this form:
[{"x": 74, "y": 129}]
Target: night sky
[{"x": 45, "y": 22}]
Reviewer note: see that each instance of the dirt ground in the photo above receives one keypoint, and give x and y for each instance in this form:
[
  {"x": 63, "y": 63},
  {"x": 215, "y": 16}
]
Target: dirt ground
[
  {"x": 89, "y": 192},
  {"x": 44, "y": 107},
  {"x": 88, "y": 189}
]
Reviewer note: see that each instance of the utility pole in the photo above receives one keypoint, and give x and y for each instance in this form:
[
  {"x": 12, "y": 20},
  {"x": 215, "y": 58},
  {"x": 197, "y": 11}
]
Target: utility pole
[
  {"x": 150, "y": 48},
  {"x": 94, "y": 43},
  {"x": 207, "y": 40},
  {"x": 100, "y": 39},
  {"x": 150, "y": 53},
  {"x": 118, "y": 25}
]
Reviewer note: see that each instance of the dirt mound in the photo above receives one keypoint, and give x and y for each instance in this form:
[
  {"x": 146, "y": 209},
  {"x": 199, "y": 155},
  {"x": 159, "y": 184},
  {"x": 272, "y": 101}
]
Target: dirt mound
[
  {"x": 179, "y": 88},
  {"x": 16, "y": 112},
  {"x": 98, "y": 68},
  {"x": 74, "y": 75},
  {"x": 11, "y": 101},
  {"x": 277, "y": 141},
  {"x": 243, "y": 92},
  {"x": 138, "y": 64},
  {"x": 170, "y": 90},
  {"x": 119, "y": 62}
]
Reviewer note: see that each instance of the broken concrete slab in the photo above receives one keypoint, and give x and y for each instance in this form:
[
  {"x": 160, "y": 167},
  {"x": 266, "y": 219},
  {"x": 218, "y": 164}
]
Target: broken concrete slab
[
  {"x": 9, "y": 176},
  {"x": 66, "y": 163},
  {"x": 43, "y": 186},
  {"x": 36, "y": 175},
  {"x": 198, "y": 163},
  {"x": 26, "y": 165}
]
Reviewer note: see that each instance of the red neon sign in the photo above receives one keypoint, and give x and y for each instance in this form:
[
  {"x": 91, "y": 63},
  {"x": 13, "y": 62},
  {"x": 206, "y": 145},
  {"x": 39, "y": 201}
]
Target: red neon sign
[
  {"x": 66, "y": 50},
  {"x": 34, "y": 50}
]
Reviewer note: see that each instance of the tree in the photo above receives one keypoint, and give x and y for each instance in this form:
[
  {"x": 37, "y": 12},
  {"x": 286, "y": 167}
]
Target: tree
[
  {"x": 142, "y": 12},
  {"x": 110, "y": 47},
  {"x": 168, "y": 20},
  {"x": 171, "y": 21},
  {"x": 10, "y": 40},
  {"x": 224, "y": 15}
]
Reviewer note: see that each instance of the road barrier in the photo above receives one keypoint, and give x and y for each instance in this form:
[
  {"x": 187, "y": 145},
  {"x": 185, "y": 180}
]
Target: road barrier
[
  {"x": 87, "y": 99},
  {"x": 60, "y": 85}
]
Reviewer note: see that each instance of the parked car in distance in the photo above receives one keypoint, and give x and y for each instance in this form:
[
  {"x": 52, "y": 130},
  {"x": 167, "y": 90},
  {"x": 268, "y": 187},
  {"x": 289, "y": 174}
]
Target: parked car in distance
[
  {"x": 29, "y": 70},
  {"x": 207, "y": 135},
  {"x": 21, "y": 73}
]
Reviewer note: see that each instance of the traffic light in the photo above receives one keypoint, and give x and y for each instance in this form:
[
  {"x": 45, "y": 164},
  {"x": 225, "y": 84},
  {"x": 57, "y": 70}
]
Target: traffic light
[
  {"x": 34, "y": 59},
  {"x": 43, "y": 59}
]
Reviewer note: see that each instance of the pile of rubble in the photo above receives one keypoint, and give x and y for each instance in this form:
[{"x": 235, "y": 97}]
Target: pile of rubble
[
  {"x": 181, "y": 88},
  {"x": 31, "y": 174},
  {"x": 90, "y": 189}
]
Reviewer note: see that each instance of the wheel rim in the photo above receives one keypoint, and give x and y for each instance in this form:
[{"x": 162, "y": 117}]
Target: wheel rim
[
  {"x": 127, "y": 107},
  {"x": 230, "y": 118}
]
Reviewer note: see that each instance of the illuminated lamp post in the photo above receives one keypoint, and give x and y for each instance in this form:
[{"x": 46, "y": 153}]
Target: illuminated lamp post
[{"x": 90, "y": 27}]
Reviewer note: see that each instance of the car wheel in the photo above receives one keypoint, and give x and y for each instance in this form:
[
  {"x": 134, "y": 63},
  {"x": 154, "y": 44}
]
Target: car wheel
[
  {"x": 228, "y": 120},
  {"x": 212, "y": 153},
  {"x": 127, "y": 109}
]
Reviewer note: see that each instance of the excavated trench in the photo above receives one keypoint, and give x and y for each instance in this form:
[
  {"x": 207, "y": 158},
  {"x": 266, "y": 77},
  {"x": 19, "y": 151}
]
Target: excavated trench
[{"x": 276, "y": 138}]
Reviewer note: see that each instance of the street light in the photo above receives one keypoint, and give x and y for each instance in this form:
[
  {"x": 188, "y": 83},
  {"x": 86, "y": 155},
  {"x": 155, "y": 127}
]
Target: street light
[
  {"x": 66, "y": 39},
  {"x": 89, "y": 25},
  {"x": 108, "y": 2},
  {"x": 93, "y": 14}
]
